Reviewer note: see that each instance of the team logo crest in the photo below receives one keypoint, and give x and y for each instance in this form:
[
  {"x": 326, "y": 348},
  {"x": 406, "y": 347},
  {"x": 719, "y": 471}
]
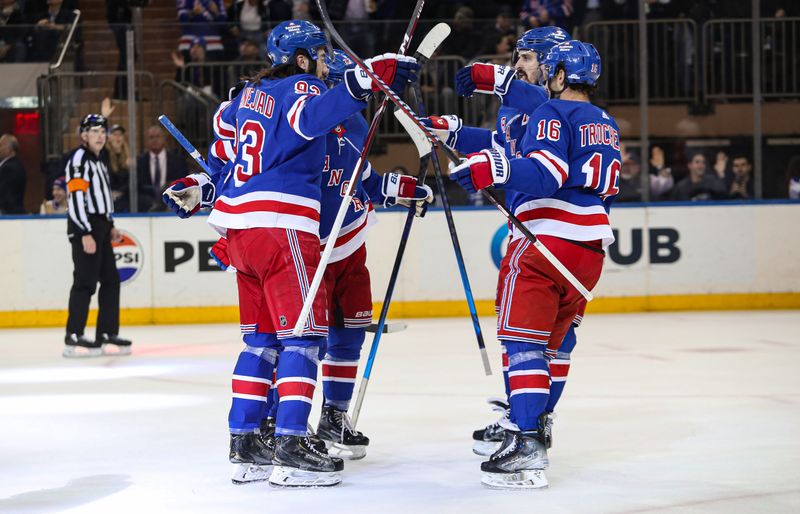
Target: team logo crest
[
  {"x": 129, "y": 256},
  {"x": 282, "y": 319},
  {"x": 339, "y": 130}
]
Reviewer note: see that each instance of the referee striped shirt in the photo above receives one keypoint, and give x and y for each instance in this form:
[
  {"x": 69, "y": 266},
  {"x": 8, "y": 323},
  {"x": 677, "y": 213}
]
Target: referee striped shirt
[{"x": 88, "y": 189}]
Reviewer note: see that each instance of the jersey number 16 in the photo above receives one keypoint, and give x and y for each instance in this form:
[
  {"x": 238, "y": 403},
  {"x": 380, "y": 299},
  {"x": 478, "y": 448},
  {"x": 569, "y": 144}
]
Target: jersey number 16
[{"x": 593, "y": 169}]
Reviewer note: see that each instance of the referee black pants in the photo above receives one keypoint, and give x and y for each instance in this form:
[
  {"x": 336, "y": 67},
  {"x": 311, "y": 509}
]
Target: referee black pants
[{"x": 89, "y": 270}]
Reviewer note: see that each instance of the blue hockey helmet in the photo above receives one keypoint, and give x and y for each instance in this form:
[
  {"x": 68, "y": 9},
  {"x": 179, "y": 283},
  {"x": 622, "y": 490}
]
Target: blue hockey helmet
[
  {"x": 540, "y": 40},
  {"x": 289, "y": 36},
  {"x": 337, "y": 65},
  {"x": 580, "y": 61}
]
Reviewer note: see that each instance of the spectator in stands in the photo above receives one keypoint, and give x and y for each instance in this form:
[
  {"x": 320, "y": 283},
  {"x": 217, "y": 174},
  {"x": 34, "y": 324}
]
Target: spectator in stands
[
  {"x": 248, "y": 18},
  {"x": 630, "y": 178},
  {"x": 740, "y": 185},
  {"x": 359, "y": 35},
  {"x": 12, "y": 177},
  {"x": 156, "y": 168},
  {"x": 540, "y": 13},
  {"x": 49, "y": 27},
  {"x": 198, "y": 76},
  {"x": 793, "y": 178},
  {"x": 58, "y": 205},
  {"x": 464, "y": 40},
  {"x": 503, "y": 26},
  {"x": 661, "y": 179},
  {"x": 202, "y": 19},
  {"x": 699, "y": 185},
  {"x": 119, "y": 165},
  {"x": 301, "y": 10},
  {"x": 12, "y": 32}
]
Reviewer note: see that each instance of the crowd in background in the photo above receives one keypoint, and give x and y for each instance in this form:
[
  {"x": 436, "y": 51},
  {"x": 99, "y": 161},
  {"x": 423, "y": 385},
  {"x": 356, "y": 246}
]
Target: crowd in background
[{"x": 233, "y": 32}]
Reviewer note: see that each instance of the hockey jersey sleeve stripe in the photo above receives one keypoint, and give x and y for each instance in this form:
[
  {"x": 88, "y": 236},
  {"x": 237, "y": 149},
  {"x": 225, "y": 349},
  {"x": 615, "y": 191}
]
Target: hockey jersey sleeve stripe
[
  {"x": 557, "y": 167},
  {"x": 293, "y": 116},
  {"x": 222, "y": 128},
  {"x": 222, "y": 150}
]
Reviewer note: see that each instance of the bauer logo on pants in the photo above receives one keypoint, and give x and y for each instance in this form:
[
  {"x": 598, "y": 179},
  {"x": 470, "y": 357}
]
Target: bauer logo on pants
[{"x": 129, "y": 256}]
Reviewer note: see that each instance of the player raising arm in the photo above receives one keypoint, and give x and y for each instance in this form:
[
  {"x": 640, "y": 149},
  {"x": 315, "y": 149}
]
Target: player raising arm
[{"x": 563, "y": 187}]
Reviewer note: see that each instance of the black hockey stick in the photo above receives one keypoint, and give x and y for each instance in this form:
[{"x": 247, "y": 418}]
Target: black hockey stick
[
  {"x": 429, "y": 45},
  {"x": 355, "y": 178},
  {"x": 426, "y": 140},
  {"x": 451, "y": 227}
]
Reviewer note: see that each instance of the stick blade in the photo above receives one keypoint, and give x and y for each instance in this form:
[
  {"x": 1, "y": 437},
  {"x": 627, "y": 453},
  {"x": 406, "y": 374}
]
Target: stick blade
[
  {"x": 433, "y": 39},
  {"x": 419, "y": 138}
]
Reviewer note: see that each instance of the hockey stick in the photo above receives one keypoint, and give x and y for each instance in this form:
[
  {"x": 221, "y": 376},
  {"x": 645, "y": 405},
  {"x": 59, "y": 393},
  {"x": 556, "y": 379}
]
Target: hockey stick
[
  {"x": 179, "y": 137},
  {"x": 428, "y": 46},
  {"x": 355, "y": 178},
  {"x": 451, "y": 227},
  {"x": 425, "y": 139}
]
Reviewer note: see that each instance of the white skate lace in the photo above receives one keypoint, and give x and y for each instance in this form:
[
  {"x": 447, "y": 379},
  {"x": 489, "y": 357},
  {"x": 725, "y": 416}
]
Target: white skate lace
[
  {"x": 310, "y": 445},
  {"x": 344, "y": 421}
]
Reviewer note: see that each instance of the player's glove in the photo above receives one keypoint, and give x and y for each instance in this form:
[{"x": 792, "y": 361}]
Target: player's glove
[
  {"x": 484, "y": 78},
  {"x": 445, "y": 127},
  {"x": 481, "y": 170},
  {"x": 187, "y": 195},
  {"x": 219, "y": 252},
  {"x": 395, "y": 70},
  {"x": 399, "y": 189}
]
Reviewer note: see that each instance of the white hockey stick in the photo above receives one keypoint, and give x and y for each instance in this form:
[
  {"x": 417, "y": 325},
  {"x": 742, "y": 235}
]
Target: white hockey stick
[{"x": 429, "y": 45}]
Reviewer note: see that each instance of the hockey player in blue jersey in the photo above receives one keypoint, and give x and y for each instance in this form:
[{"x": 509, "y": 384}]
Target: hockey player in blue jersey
[
  {"x": 563, "y": 187},
  {"x": 347, "y": 280},
  {"x": 268, "y": 206},
  {"x": 520, "y": 98}
]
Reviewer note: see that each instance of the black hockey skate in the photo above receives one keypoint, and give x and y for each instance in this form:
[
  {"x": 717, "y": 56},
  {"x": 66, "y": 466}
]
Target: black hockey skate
[
  {"x": 115, "y": 345},
  {"x": 299, "y": 462},
  {"x": 259, "y": 449},
  {"x": 519, "y": 463},
  {"x": 78, "y": 346},
  {"x": 487, "y": 440},
  {"x": 341, "y": 439}
]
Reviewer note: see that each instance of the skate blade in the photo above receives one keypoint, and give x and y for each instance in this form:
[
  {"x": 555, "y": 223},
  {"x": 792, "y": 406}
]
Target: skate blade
[
  {"x": 283, "y": 476},
  {"x": 528, "y": 479},
  {"x": 485, "y": 448},
  {"x": 346, "y": 452},
  {"x": 81, "y": 352},
  {"x": 112, "y": 350},
  {"x": 250, "y": 473}
]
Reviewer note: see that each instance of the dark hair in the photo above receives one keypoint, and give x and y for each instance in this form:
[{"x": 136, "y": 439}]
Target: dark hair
[
  {"x": 694, "y": 153},
  {"x": 741, "y": 156},
  {"x": 282, "y": 71}
]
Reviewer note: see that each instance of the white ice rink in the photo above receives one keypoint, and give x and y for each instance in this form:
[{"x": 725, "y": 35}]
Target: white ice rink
[{"x": 674, "y": 412}]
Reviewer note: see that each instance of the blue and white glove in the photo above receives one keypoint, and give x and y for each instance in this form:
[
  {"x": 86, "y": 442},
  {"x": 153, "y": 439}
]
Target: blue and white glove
[
  {"x": 399, "y": 189},
  {"x": 394, "y": 70},
  {"x": 484, "y": 78},
  {"x": 481, "y": 170},
  {"x": 187, "y": 195},
  {"x": 445, "y": 127}
]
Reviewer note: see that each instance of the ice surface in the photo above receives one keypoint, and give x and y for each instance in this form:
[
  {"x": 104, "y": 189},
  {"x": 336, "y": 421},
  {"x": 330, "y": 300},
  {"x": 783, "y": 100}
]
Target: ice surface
[{"x": 668, "y": 412}]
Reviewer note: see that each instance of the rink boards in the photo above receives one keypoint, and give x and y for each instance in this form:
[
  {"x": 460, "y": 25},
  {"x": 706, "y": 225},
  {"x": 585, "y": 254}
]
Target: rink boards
[{"x": 673, "y": 257}]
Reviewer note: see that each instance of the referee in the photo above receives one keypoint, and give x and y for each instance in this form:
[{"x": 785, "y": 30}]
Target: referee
[{"x": 91, "y": 231}]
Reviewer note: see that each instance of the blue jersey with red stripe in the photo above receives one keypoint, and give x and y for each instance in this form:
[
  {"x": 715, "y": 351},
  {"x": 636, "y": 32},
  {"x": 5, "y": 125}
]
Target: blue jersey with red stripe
[
  {"x": 344, "y": 145},
  {"x": 568, "y": 178},
  {"x": 270, "y": 138},
  {"x": 519, "y": 103}
]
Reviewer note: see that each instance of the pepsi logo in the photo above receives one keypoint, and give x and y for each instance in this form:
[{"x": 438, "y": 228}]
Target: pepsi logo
[{"x": 129, "y": 254}]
